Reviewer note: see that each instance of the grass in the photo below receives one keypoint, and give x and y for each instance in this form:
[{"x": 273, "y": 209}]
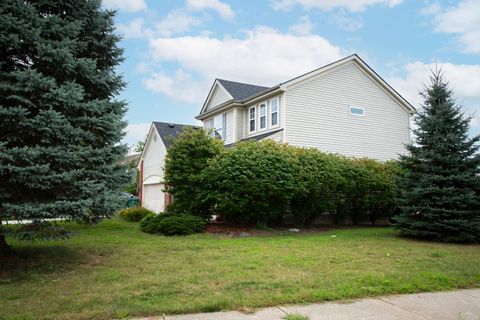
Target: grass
[{"x": 112, "y": 270}]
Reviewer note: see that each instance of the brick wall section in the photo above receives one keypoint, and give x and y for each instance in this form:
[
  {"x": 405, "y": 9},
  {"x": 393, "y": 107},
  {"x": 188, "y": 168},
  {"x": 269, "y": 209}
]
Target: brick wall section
[{"x": 168, "y": 198}]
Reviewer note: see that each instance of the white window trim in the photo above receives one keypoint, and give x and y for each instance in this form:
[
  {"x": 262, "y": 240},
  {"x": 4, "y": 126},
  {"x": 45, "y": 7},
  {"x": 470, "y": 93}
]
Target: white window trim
[
  {"x": 271, "y": 113},
  {"x": 250, "y": 119},
  {"x": 260, "y": 116},
  {"x": 356, "y": 114}
]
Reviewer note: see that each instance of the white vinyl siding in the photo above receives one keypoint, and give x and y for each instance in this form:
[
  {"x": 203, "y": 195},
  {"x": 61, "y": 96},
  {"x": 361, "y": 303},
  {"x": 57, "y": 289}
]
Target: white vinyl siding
[
  {"x": 219, "y": 96},
  {"x": 230, "y": 127},
  {"x": 240, "y": 124},
  {"x": 154, "y": 158},
  {"x": 316, "y": 115}
]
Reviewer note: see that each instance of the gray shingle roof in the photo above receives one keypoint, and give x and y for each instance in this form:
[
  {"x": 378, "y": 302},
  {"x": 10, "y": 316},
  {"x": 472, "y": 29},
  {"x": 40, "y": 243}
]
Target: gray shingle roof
[
  {"x": 169, "y": 131},
  {"x": 240, "y": 91}
]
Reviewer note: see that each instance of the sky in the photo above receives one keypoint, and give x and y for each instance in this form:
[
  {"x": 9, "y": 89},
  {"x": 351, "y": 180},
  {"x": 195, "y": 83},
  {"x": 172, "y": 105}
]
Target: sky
[{"x": 174, "y": 50}]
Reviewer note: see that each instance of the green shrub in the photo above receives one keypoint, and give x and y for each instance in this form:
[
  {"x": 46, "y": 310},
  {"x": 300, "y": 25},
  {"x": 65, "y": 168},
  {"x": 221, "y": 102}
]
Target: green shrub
[
  {"x": 150, "y": 223},
  {"x": 172, "y": 224},
  {"x": 251, "y": 183},
  {"x": 186, "y": 158},
  {"x": 181, "y": 224},
  {"x": 146, "y": 223},
  {"x": 319, "y": 185},
  {"x": 134, "y": 214}
]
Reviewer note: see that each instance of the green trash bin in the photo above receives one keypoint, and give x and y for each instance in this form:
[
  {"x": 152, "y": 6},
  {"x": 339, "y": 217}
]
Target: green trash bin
[{"x": 132, "y": 202}]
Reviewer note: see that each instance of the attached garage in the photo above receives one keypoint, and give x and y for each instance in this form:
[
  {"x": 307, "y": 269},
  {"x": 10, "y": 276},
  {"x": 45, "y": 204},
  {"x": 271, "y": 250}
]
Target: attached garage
[
  {"x": 154, "y": 197},
  {"x": 151, "y": 163}
]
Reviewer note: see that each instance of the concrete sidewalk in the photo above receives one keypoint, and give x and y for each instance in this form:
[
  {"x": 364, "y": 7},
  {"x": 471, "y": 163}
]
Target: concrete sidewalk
[{"x": 454, "y": 305}]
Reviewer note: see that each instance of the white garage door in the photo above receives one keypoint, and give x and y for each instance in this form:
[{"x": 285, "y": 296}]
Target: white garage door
[{"x": 153, "y": 197}]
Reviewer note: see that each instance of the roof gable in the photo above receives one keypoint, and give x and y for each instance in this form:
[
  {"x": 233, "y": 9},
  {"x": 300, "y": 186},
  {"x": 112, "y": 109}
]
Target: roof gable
[
  {"x": 217, "y": 96},
  {"x": 224, "y": 90},
  {"x": 167, "y": 133},
  {"x": 364, "y": 67}
]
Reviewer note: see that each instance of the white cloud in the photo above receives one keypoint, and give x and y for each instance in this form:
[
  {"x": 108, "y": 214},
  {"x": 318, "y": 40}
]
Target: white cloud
[
  {"x": 342, "y": 19},
  {"x": 223, "y": 9},
  {"x": 126, "y": 5},
  {"x": 303, "y": 27},
  {"x": 136, "y": 132},
  {"x": 354, "y": 6},
  {"x": 463, "y": 20},
  {"x": 177, "y": 21},
  {"x": 464, "y": 80},
  {"x": 264, "y": 56},
  {"x": 135, "y": 29},
  {"x": 179, "y": 86},
  {"x": 434, "y": 8},
  {"x": 142, "y": 68}
]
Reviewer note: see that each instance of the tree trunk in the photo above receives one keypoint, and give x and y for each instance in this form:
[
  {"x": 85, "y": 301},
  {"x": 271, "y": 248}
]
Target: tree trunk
[{"x": 4, "y": 247}]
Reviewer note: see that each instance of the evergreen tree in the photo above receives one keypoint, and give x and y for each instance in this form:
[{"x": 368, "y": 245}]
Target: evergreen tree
[
  {"x": 440, "y": 190},
  {"x": 61, "y": 126}
]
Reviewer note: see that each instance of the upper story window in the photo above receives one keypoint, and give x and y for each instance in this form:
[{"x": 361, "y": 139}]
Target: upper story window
[
  {"x": 274, "y": 112},
  {"x": 357, "y": 111},
  {"x": 263, "y": 116},
  {"x": 218, "y": 126},
  {"x": 251, "y": 119}
]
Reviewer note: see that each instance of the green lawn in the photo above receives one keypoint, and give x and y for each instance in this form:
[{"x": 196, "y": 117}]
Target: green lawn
[{"x": 114, "y": 270}]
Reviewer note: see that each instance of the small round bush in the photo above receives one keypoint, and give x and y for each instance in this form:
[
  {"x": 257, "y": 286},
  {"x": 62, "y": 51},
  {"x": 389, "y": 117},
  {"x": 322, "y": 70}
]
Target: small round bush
[
  {"x": 149, "y": 223},
  {"x": 181, "y": 224},
  {"x": 134, "y": 214}
]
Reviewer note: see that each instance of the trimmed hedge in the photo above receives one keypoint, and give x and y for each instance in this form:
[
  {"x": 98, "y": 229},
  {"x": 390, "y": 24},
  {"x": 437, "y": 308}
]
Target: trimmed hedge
[
  {"x": 172, "y": 224},
  {"x": 258, "y": 182},
  {"x": 134, "y": 214}
]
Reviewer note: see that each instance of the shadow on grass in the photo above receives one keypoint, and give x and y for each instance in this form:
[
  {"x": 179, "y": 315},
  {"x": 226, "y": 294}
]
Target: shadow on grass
[{"x": 27, "y": 262}]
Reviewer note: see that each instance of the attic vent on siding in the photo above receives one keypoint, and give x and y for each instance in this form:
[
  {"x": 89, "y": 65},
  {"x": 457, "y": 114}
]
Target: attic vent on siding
[{"x": 171, "y": 125}]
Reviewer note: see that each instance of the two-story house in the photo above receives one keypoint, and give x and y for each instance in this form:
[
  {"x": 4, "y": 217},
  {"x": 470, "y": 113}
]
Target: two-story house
[{"x": 344, "y": 107}]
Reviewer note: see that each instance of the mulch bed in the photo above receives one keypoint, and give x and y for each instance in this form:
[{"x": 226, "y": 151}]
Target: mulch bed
[{"x": 239, "y": 231}]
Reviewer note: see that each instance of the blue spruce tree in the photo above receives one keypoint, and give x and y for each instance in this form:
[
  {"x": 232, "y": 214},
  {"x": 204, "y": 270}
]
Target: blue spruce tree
[
  {"x": 61, "y": 125},
  {"x": 440, "y": 191}
]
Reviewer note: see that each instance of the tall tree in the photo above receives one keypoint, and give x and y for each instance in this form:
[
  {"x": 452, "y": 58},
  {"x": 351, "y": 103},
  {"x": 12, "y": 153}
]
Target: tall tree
[
  {"x": 61, "y": 126},
  {"x": 440, "y": 191}
]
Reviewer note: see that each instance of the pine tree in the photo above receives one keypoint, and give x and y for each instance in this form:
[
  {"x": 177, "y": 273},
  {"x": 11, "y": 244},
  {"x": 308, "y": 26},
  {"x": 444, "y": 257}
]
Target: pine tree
[
  {"x": 61, "y": 126},
  {"x": 440, "y": 191}
]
